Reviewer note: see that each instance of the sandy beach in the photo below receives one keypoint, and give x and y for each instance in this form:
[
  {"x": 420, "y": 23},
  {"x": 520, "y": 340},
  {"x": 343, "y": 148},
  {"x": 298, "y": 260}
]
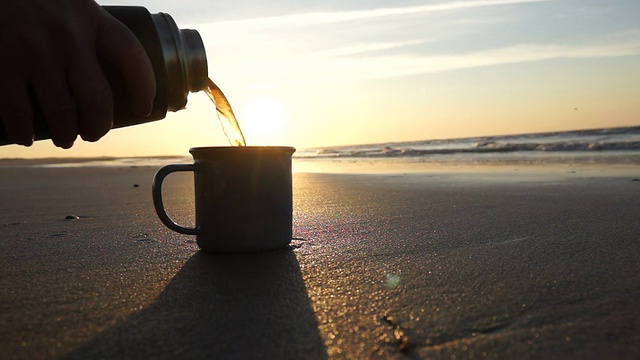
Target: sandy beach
[{"x": 496, "y": 263}]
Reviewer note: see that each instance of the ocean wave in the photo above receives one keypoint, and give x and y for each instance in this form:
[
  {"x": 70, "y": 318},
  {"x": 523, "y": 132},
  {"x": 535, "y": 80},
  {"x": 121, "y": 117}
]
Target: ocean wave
[
  {"x": 598, "y": 140},
  {"x": 559, "y": 146}
]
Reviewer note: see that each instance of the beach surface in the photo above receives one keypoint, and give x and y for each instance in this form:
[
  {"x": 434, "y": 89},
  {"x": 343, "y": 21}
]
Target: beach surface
[{"x": 493, "y": 262}]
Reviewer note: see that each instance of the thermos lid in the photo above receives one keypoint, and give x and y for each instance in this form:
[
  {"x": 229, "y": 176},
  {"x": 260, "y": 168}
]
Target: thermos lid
[{"x": 185, "y": 60}]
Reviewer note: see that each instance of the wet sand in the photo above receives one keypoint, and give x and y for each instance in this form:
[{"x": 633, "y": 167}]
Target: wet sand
[{"x": 491, "y": 263}]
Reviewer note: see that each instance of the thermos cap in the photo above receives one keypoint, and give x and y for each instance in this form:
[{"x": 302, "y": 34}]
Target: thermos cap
[{"x": 185, "y": 60}]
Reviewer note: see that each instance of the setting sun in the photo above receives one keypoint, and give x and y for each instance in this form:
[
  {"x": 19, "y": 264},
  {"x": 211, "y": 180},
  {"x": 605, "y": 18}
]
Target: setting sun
[{"x": 262, "y": 120}]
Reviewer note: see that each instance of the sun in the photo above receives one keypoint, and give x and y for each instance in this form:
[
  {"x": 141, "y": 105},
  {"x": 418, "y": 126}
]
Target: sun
[{"x": 263, "y": 118}]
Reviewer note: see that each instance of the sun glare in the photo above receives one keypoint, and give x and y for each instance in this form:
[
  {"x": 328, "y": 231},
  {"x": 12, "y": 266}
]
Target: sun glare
[{"x": 263, "y": 118}]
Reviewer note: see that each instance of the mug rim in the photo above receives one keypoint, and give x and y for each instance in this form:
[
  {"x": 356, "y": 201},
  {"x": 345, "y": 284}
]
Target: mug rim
[{"x": 241, "y": 149}]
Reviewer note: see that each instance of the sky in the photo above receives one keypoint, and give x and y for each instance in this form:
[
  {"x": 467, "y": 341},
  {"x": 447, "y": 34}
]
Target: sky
[{"x": 308, "y": 73}]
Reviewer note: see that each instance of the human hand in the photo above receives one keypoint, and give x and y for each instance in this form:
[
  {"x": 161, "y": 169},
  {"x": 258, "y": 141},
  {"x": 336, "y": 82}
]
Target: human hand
[{"x": 55, "y": 48}]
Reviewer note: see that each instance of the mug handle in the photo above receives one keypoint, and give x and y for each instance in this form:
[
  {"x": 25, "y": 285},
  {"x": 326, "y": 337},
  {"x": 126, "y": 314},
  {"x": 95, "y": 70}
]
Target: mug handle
[{"x": 156, "y": 190}]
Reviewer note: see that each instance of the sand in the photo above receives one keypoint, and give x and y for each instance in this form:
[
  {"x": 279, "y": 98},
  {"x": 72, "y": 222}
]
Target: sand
[{"x": 491, "y": 263}]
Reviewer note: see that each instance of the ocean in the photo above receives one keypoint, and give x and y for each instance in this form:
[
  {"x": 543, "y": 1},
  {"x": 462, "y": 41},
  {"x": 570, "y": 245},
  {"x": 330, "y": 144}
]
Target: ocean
[
  {"x": 607, "y": 146},
  {"x": 599, "y": 140}
]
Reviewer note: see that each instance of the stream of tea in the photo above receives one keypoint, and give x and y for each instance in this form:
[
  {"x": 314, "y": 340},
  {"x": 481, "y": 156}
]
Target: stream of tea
[{"x": 228, "y": 120}]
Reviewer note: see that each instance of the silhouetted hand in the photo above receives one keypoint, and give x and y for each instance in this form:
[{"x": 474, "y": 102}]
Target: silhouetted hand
[{"x": 54, "y": 46}]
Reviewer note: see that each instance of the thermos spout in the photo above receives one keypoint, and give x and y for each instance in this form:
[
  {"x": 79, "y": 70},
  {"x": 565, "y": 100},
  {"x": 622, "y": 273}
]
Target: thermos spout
[{"x": 185, "y": 60}]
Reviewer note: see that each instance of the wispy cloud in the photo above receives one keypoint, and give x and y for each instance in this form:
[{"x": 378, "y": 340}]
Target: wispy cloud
[
  {"x": 365, "y": 48},
  {"x": 318, "y": 18},
  {"x": 394, "y": 66},
  {"x": 523, "y": 53},
  {"x": 310, "y": 68}
]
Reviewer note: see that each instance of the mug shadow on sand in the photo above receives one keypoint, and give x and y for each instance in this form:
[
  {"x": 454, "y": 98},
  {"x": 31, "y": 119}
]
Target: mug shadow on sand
[{"x": 221, "y": 307}]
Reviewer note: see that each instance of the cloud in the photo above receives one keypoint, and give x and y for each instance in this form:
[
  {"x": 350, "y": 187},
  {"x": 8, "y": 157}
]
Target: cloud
[
  {"x": 367, "y": 47},
  {"x": 319, "y": 18},
  {"x": 311, "y": 68},
  {"x": 394, "y": 66}
]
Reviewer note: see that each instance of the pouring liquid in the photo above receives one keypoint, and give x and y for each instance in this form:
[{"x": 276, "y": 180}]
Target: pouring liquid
[{"x": 228, "y": 120}]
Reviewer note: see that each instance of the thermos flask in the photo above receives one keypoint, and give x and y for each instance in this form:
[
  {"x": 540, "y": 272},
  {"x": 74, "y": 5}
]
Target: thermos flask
[{"x": 179, "y": 62}]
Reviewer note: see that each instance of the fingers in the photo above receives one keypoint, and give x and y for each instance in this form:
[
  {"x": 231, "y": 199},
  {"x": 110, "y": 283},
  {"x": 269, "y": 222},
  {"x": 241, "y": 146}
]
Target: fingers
[
  {"x": 93, "y": 98},
  {"x": 56, "y": 102},
  {"x": 16, "y": 113},
  {"x": 119, "y": 47},
  {"x": 74, "y": 99}
]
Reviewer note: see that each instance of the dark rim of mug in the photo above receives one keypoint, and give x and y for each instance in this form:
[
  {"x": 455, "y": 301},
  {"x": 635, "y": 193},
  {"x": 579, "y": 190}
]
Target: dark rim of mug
[{"x": 242, "y": 149}]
